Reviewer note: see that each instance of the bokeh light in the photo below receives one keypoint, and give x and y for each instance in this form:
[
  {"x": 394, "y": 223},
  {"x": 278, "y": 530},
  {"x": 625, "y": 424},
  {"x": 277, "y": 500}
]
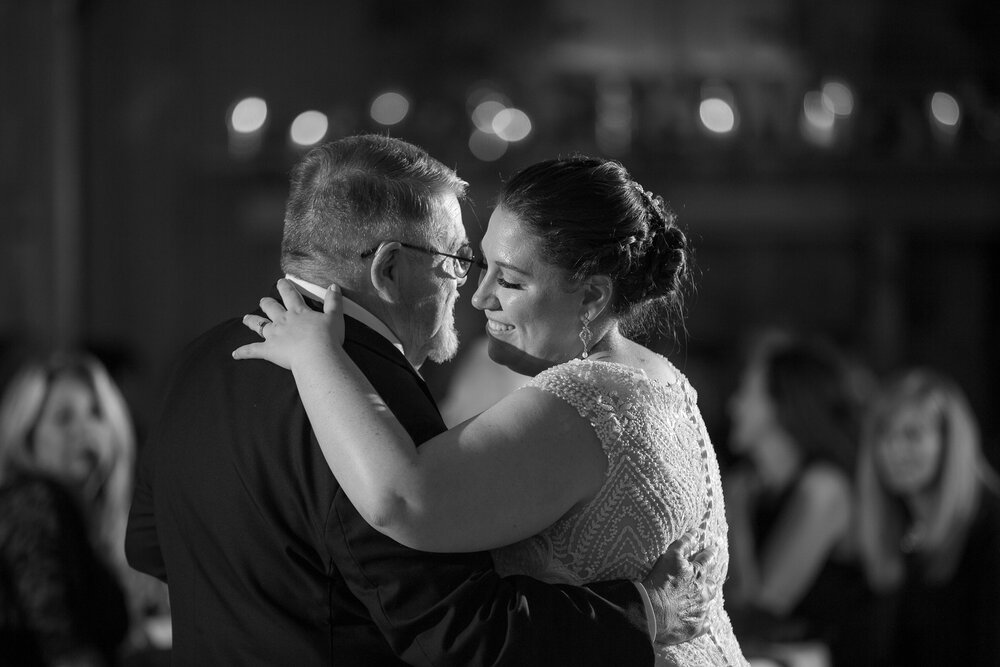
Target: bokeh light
[
  {"x": 390, "y": 108},
  {"x": 248, "y": 115},
  {"x": 483, "y": 92},
  {"x": 837, "y": 96},
  {"x": 613, "y": 127},
  {"x": 309, "y": 128},
  {"x": 511, "y": 124},
  {"x": 818, "y": 118},
  {"x": 945, "y": 110},
  {"x": 485, "y": 113},
  {"x": 717, "y": 115},
  {"x": 818, "y": 110},
  {"x": 486, "y": 146}
]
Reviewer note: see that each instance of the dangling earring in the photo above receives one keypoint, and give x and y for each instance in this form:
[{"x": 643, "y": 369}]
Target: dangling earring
[{"x": 585, "y": 337}]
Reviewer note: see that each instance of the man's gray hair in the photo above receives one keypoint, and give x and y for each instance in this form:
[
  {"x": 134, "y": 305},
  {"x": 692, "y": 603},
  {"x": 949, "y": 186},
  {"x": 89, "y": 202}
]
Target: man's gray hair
[{"x": 348, "y": 196}]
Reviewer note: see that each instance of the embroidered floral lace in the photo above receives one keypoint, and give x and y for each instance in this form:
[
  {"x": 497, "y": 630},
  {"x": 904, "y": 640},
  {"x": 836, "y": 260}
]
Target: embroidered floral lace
[{"x": 663, "y": 480}]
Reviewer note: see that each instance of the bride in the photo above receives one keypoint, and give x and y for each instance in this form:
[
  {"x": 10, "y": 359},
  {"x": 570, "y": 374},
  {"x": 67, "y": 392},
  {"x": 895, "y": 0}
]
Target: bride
[{"x": 594, "y": 467}]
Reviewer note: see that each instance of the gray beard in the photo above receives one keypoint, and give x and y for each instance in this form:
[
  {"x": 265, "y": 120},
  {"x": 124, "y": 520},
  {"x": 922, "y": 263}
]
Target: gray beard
[{"x": 444, "y": 345}]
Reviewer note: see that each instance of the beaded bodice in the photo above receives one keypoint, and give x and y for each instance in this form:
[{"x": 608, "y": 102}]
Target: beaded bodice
[{"x": 662, "y": 480}]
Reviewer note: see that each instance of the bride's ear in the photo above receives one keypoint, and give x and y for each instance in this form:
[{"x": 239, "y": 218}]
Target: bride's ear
[
  {"x": 386, "y": 271},
  {"x": 597, "y": 293}
]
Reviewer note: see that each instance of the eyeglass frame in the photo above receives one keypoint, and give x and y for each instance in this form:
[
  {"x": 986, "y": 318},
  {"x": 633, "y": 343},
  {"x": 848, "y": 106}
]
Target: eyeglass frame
[{"x": 473, "y": 260}]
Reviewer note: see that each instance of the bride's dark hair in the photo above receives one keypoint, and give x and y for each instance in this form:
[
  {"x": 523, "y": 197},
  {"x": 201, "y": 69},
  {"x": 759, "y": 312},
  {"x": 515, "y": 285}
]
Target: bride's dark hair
[{"x": 592, "y": 218}]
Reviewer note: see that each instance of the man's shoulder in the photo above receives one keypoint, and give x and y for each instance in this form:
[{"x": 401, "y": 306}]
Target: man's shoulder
[
  {"x": 204, "y": 364},
  {"x": 231, "y": 329},
  {"x": 225, "y": 336}
]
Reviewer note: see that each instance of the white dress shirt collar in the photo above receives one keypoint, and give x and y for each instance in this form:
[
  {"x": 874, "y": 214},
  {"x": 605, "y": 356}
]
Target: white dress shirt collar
[{"x": 351, "y": 309}]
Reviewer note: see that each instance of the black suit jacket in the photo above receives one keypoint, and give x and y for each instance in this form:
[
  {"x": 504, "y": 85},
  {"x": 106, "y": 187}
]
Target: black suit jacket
[{"x": 268, "y": 562}]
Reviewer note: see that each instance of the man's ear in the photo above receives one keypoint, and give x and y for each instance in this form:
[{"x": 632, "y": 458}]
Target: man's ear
[
  {"x": 386, "y": 271},
  {"x": 597, "y": 291}
]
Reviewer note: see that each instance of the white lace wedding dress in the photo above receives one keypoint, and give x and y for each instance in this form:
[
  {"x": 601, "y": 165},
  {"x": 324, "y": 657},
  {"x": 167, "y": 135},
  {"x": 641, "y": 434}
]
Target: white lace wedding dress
[{"x": 663, "y": 480}]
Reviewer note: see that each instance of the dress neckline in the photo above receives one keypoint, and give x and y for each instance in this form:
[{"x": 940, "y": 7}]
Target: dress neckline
[{"x": 641, "y": 371}]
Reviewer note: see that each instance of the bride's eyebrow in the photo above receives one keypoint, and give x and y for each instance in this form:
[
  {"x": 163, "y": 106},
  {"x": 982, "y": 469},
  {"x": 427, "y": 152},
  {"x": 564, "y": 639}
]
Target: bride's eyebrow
[
  {"x": 515, "y": 269},
  {"x": 506, "y": 265}
]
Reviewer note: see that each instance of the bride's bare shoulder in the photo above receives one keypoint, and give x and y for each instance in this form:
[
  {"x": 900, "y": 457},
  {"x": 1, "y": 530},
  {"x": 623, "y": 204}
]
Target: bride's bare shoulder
[{"x": 655, "y": 366}]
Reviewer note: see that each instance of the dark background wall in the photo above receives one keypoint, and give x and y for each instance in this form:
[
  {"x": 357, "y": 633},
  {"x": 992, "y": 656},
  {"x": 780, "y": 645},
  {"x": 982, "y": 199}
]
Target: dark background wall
[{"x": 127, "y": 224}]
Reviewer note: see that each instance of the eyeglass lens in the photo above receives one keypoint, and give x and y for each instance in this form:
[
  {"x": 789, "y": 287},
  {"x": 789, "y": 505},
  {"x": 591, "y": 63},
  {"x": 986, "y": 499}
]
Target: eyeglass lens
[{"x": 463, "y": 262}]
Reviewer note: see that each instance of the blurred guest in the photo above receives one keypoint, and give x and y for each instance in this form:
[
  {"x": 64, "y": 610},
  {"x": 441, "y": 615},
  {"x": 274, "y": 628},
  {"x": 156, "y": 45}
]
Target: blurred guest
[
  {"x": 66, "y": 465},
  {"x": 795, "y": 573},
  {"x": 929, "y": 523}
]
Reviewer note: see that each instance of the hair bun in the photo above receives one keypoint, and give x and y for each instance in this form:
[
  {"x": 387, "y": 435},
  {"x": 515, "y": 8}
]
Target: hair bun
[
  {"x": 662, "y": 262},
  {"x": 592, "y": 218}
]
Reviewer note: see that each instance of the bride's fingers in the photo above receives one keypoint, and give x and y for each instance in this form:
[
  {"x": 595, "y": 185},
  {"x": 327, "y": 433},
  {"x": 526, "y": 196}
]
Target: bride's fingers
[
  {"x": 274, "y": 310},
  {"x": 290, "y": 296},
  {"x": 256, "y": 324},
  {"x": 249, "y": 351},
  {"x": 332, "y": 299}
]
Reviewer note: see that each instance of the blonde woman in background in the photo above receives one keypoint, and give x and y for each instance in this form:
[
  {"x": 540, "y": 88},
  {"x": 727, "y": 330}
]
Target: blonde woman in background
[
  {"x": 929, "y": 521},
  {"x": 67, "y": 453}
]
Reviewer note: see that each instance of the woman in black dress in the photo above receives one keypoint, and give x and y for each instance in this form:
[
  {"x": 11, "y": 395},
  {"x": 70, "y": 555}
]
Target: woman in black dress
[{"x": 795, "y": 574}]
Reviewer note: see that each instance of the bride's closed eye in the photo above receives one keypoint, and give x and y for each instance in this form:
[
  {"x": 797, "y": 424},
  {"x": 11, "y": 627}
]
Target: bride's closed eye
[
  {"x": 503, "y": 283},
  {"x": 484, "y": 267}
]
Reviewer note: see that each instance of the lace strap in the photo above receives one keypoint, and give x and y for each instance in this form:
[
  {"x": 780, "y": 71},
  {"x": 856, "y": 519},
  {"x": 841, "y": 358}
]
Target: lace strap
[{"x": 573, "y": 383}]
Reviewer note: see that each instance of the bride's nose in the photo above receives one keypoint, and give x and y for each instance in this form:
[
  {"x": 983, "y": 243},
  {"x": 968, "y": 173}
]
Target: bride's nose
[{"x": 484, "y": 298}]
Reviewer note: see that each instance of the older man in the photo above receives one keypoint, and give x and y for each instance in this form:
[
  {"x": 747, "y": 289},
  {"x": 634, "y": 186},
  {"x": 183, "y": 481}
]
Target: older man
[{"x": 267, "y": 560}]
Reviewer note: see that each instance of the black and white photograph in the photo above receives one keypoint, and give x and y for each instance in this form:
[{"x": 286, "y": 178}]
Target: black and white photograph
[{"x": 466, "y": 333}]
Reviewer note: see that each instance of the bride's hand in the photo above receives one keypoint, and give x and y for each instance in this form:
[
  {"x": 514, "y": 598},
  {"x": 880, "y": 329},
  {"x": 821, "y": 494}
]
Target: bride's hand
[{"x": 294, "y": 333}]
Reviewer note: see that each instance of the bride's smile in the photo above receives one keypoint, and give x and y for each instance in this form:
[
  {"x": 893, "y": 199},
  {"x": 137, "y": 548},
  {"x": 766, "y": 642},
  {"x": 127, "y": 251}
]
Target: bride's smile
[{"x": 498, "y": 328}]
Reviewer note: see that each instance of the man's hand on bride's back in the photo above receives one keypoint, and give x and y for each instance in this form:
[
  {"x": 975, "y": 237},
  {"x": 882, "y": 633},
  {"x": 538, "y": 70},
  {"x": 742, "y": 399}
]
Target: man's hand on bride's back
[
  {"x": 681, "y": 591},
  {"x": 293, "y": 333}
]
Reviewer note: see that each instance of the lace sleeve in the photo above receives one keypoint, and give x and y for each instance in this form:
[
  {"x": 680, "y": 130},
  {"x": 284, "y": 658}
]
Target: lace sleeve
[{"x": 595, "y": 399}]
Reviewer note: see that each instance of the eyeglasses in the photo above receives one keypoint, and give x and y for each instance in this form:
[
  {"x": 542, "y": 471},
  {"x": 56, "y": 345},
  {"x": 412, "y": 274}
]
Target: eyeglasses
[{"x": 459, "y": 265}]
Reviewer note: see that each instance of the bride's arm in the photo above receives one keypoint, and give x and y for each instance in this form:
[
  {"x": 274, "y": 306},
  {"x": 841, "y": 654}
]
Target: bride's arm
[{"x": 495, "y": 479}]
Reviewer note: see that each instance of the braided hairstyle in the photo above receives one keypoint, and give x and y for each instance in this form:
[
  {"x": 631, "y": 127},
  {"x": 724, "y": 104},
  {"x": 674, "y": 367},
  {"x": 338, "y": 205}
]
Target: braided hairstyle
[{"x": 592, "y": 218}]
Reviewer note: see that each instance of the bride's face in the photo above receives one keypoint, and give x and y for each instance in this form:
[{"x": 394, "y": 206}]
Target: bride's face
[{"x": 532, "y": 309}]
